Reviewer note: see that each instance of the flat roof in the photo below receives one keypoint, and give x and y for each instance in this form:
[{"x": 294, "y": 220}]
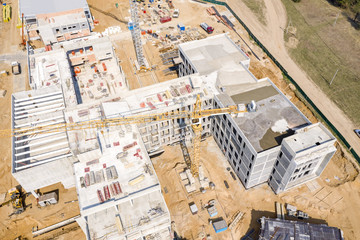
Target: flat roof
[
  {"x": 308, "y": 137},
  {"x": 274, "y": 119},
  {"x": 214, "y": 53},
  {"x": 120, "y": 148},
  {"x": 177, "y": 92},
  {"x": 146, "y": 215},
  {"x": 278, "y": 229},
  {"x": 114, "y": 169},
  {"x": 34, "y": 7},
  {"x": 79, "y": 57}
]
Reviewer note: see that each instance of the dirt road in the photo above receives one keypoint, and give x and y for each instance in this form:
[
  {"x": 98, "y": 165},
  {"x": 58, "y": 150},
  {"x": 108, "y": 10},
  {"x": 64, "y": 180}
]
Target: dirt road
[{"x": 272, "y": 36}]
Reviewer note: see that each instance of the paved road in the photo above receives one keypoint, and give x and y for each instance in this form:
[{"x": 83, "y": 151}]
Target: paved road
[
  {"x": 272, "y": 36},
  {"x": 19, "y": 81}
]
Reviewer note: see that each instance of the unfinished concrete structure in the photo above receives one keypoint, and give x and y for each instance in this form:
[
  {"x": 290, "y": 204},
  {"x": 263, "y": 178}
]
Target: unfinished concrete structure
[
  {"x": 286, "y": 229},
  {"x": 86, "y": 69},
  {"x": 54, "y": 21},
  {"x": 119, "y": 194},
  {"x": 40, "y": 160}
]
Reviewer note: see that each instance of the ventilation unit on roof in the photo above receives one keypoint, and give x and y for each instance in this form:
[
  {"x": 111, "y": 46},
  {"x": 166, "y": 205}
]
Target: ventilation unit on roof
[{"x": 252, "y": 106}]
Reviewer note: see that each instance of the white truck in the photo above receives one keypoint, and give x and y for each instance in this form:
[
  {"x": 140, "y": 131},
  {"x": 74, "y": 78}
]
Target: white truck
[{"x": 176, "y": 13}]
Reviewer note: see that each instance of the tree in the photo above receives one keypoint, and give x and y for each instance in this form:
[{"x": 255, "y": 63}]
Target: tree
[{"x": 355, "y": 8}]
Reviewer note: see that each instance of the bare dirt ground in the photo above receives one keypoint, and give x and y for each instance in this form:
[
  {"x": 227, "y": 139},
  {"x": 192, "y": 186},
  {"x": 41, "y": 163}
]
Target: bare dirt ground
[
  {"x": 272, "y": 36},
  {"x": 326, "y": 200}
]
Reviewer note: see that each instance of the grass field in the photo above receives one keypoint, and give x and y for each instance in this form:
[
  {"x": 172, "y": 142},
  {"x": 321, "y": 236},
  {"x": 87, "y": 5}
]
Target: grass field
[
  {"x": 324, "y": 48},
  {"x": 257, "y": 7}
]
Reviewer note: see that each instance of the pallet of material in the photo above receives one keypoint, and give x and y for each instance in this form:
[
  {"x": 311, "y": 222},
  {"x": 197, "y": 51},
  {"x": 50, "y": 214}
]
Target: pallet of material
[
  {"x": 215, "y": 10},
  {"x": 226, "y": 19},
  {"x": 211, "y": 11}
]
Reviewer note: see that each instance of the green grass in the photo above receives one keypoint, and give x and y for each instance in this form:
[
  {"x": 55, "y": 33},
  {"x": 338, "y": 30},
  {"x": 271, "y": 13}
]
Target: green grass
[
  {"x": 257, "y": 7},
  {"x": 323, "y": 49}
]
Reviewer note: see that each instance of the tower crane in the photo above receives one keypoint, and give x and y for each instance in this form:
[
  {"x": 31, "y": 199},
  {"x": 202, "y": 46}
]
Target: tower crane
[{"x": 195, "y": 117}]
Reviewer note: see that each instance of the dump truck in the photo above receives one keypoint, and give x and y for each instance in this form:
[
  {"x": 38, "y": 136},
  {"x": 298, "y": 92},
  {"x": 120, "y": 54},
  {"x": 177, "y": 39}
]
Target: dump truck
[
  {"x": 207, "y": 28},
  {"x": 15, "y": 67}
]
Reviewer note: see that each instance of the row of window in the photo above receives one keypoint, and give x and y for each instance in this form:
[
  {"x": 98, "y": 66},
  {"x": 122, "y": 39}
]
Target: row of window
[{"x": 300, "y": 175}]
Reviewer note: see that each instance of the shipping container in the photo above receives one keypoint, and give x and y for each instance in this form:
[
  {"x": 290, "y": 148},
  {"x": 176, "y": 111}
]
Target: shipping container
[{"x": 165, "y": 19}]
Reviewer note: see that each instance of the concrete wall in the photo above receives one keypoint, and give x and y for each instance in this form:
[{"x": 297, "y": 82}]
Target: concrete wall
[
  {"x": 186, "y": 67},
  {"x": 292, "y": 169},
  {"x": 157, "y": 134},
  {"x": 251, "y": 167}
]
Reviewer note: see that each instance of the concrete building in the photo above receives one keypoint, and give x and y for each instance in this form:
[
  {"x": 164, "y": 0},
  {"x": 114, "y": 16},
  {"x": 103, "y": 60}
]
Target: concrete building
[
  {"x": 53, "y": 21},
  {"x": 302, "y": 157},
  {"x": 286, "y": 229},
  {"x": 252, "y": 142},
  {"x": 206, "y": 56}
]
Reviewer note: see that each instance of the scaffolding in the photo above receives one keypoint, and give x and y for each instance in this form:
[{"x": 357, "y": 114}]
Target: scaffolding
[{"x": 136, "y": 33}]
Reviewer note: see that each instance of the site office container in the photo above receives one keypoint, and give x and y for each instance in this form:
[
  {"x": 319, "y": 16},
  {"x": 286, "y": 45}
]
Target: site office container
[{"x": 165, "y": 19}]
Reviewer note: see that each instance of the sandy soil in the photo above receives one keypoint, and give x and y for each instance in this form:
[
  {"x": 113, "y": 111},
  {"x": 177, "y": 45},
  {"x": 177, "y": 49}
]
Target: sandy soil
[
  {"x": 327, "y": 203},
  {"x": 272, "y": 36}
]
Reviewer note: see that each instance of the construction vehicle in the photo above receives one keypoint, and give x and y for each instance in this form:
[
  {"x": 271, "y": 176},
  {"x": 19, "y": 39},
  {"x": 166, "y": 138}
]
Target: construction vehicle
[
  {"x": 16, "y": 199},
  {"x": 195, "y": 116},
  {"x": 170, "y": 3},
  {"x": 207, "y": 28}
]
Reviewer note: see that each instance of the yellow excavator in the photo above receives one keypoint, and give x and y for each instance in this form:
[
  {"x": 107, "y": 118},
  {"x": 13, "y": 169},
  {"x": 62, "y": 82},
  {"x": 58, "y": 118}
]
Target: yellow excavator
[{"x": 16, "y": 199}]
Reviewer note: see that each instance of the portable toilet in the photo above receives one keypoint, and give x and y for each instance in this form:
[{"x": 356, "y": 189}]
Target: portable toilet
[
  {"x": 181, "y": 26},
  {"x": 130, "y": 26}
]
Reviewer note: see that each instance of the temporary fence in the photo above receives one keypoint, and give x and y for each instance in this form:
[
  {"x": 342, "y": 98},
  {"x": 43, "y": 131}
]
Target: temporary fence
[{"x": 304, "y": 97}]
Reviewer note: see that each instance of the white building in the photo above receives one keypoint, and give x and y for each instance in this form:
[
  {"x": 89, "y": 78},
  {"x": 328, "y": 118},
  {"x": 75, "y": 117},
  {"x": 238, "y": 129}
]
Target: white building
[{"x": 56, "y": 21}]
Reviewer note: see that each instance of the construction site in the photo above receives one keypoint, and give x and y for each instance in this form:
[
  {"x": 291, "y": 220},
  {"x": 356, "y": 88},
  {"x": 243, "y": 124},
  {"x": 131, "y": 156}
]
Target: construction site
[{"x": 159, "y": 120}]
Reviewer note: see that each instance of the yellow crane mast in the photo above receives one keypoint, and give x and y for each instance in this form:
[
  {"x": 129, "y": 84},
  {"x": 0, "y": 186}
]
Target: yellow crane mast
[{"x": 195, "y": 116}]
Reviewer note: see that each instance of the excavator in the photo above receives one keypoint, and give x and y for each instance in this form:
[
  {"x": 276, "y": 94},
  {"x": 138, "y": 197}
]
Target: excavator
[{"x": 16, "y": 199}]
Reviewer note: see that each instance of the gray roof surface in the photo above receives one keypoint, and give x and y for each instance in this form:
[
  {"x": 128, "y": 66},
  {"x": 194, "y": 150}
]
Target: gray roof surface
[
  {"x": 273, "y": 108},
  {"x": 34, "y": 7},
  {"x": 286, "y": 229},
  {"x": 214, "y": 53}
]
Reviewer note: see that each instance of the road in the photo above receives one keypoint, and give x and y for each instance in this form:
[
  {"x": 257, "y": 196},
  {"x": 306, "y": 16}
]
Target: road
[{"x": 272, "y": 36}]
